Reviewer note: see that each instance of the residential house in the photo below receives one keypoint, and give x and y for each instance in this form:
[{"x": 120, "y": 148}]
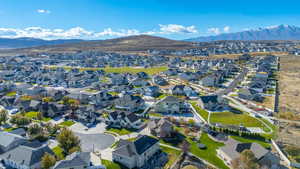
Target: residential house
[
  {"x": 233, "y": 149},
  {"x": 120, "y": 119},
  {"x": 129, "y": 103},
  {"x": 138, "y": 153},
  {"x": 158, "y": 80},
  {"x": 212, "y": 103},
  {"x": 249, "y": 94},
  {"x": 171, "y": 104},
  {"x": 161, "y": 128},
  {"x": 152, "y": 91},
  {"x": 25, "y": 156},
  {"x": 9, "y": 141}
]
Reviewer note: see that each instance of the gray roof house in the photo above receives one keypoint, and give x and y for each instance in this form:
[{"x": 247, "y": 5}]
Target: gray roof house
[
  {"x": 78, "y": 160},
  {"x": 9, "y": 141},
  {"x": 233, "y": 149},
  {"x": 171, "y": 104},
  {"x": 136, "y": 154},
  {"x": 212, "y": 103},
  {"x": 26, "y": 156}
]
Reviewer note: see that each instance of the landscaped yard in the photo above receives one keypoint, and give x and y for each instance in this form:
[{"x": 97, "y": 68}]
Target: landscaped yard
[
  {"x": 119, "y": 131},
  {"x": 173, "y": 156},
  {"x": 58, "y": 152},
  {"x": 67, "y": 123},
  {"x": 110, "y": 164},
  {"x": 32, "y": 115},
  {"x": 209, "y": 154},
  {"x": 230, "y": 118},
  {"x": 246, "y": 140},
  {"x": 201, "y": 112}
]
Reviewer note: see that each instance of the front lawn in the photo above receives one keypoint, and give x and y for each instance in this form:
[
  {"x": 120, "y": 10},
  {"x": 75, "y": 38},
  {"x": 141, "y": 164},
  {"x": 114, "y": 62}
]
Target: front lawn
[
  {"x": 203, "y": 113},
  {"x": 173, "y": 155},
  {"x": 119, "y": 131},
  {"x": 110, "y": 164},
  {"x": 58, "y": 152},
  {"x": 32, "y": 114},
  {"x": 67, "y": 123},
  {"x": 230, "y": 118},
  {"x": 209, "y": 154}
]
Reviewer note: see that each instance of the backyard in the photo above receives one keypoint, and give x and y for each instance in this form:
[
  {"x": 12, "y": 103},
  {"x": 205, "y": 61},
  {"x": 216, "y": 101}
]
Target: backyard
[
  {"x": 203, "y": 113},
  {"x": 230, "y": 118}
]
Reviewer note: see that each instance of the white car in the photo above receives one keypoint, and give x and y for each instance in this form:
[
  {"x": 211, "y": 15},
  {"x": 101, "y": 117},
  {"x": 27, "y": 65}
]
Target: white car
[{"x": 13, "y": 111}]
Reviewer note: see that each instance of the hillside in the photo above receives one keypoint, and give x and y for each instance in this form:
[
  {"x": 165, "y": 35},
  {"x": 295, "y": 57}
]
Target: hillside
[
  {"x": 12, "y": 43},
  {"x": 140, "y": 43},
  {"x": 281, "y": 32}
]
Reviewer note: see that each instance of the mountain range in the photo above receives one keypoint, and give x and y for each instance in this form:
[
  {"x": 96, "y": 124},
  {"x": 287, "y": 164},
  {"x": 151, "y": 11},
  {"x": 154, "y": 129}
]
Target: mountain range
[
  {"x": 145, "y": 42},
  {"x": 281, "y": 32},
  {"x": 12, "y": 43}
]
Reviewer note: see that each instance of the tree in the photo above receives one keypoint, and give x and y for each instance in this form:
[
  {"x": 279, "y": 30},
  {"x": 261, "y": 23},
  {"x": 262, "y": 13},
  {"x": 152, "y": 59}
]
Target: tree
[
  {"x": 3, "y": 116},
  {"x": 52, "y": 129},
  {"x": 74, "y": 149},
  {"x": 34, "y": 129},
  {"x": 20, "y": 120},
  {"x": 39, "y": 116},
  {"x": 48, "y": 161},
  {"x": 246, "y": 160},
  {"x": 185, "y": 146},
  {"x": 67, "y": 140}
]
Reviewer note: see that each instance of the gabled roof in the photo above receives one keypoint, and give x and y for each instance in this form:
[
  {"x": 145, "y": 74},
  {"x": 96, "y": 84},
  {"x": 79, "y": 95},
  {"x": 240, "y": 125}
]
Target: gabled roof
[
  {"x": 74, "y": 160},
  {"x": 137, "y": 147},
  {"x": 27, "y": 155},
  {"x": 9, "y": 138},
  {"x": 211, "y": 98}
]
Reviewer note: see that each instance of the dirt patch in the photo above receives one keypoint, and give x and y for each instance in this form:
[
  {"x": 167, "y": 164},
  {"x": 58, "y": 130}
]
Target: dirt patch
[{"x": 289, "y": 84}]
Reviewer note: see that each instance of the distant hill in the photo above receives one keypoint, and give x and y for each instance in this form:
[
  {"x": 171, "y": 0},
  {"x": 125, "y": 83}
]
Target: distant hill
[
  {"x": 137, "y": 43},
  {"x": 9, "y": 43},
  {"x": 281, "y": 32}
]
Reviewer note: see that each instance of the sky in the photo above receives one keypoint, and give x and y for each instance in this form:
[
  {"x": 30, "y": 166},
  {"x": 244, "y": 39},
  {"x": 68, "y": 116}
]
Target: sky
[{"x": 175, "y": 19}]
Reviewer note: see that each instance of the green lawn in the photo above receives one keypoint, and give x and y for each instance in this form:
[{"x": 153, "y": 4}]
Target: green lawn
[
  {"x": 150, "y": 70},
  {"x": 13, "y": 93},
  {"x": 31, "y": 115},
  {"x": 119, "y": 131},
  {"x": 209, "y": 154},
  {"x": 201, "y": 112},
  {"x": 229, "y": 118},
  {"x": 67, "y": 123},
  {"x": 58, "y": 152},
  {"x": 155, "y": 114},
  {"x": 110, "y": 164},
  {"x": 9, "y": 129},
  {"x": 173, "y": 156}
]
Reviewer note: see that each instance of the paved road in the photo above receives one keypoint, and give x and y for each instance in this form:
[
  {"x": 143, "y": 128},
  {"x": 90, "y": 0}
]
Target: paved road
[
  {"x": 234, "y": 83},
  {"x": 94, "y": 142}
]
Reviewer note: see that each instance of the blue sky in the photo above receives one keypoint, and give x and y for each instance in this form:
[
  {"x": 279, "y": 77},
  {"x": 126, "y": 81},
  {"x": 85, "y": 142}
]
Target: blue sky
[{"x": 176, "y": 19}]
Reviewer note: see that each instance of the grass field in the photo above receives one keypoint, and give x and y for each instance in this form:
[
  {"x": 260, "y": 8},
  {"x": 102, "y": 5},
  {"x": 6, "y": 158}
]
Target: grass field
[
  {"x": 201, "y": 112},
  {"x": 229, "y": 118},
  {"x": 173, "y": 156},
  {"x": 31, "y": 114},
  {"x": 150, "y": 70},
  {"x": 209, "y": 154},
  {"x": 119, "y": 131},
  {"x": 110, "y": 164},
  {"x": 13, "y": 93},
  {"x": 67, "y": 123}
]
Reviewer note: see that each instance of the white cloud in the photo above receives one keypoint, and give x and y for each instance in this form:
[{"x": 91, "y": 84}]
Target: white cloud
[
  {"x": 79, "y": 32},
  {"x": 43, "y": 11},
  {"x": 226, "y": 29},
  {"x": 214, "y": 30},
  {"x": 174, "y": 28}
]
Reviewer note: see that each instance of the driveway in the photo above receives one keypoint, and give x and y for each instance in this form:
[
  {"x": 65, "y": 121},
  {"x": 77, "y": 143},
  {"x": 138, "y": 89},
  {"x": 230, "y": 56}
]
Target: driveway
[
  {"x": 95, "y": 142},
  {"x": 80, "y": 128}
]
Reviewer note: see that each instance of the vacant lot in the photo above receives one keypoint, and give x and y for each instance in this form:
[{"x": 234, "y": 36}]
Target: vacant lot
[{"x": 289, "y": 85}]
